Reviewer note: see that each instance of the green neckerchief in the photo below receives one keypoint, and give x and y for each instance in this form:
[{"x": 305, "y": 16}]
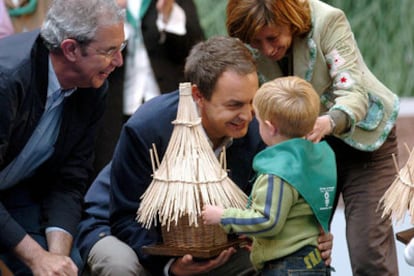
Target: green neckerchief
[
  {"x": 310, "y": 168},
  {"x": 142, "y": 10},
  {"x": 136, "y": 25}
]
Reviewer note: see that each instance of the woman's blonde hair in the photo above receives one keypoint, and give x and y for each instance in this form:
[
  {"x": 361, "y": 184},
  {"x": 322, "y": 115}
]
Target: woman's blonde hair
[
  {"x": 246, "y": 17},
  {"x": 289, "y": 102}
]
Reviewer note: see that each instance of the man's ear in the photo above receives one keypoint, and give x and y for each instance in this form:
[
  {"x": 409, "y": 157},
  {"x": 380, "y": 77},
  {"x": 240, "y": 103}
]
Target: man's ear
[
  {"x": 70, "y": 49},
  {"x": 197, "y": 96}
]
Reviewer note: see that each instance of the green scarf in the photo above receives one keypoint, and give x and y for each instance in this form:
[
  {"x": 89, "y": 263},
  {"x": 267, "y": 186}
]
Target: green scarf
[
  {"x": 143, "y": 9},
  {"x": 310, "y": 168}
]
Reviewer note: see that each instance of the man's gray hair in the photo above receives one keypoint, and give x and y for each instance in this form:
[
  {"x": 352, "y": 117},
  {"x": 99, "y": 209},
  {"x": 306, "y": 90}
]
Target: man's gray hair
[{"x": 78, "y": 19}]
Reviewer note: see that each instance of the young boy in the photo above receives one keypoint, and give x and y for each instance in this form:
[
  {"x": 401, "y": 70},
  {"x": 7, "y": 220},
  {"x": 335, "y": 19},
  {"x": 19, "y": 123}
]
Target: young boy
[{"x": 295, "y": 187}]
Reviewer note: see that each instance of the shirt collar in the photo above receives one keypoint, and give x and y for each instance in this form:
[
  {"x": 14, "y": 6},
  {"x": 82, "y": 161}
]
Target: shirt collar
[
  {"x": 53, "y": 83},
  {"x": 227, "y": 142}
]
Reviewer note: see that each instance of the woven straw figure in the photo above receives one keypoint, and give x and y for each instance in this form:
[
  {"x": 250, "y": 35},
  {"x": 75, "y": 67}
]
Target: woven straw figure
[
  {"x": 400, "y": 195},
  {"x": 188, "y": 176}
]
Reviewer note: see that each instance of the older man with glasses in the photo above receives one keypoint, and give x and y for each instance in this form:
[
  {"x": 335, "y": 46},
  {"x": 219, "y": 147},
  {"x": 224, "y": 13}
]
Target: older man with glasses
[{"x": 52, "y": 96}]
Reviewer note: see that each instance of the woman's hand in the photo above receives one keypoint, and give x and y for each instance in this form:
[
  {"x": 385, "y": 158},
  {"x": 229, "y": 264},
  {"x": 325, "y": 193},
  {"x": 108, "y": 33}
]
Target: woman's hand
[{"x": 321, "y": 128}]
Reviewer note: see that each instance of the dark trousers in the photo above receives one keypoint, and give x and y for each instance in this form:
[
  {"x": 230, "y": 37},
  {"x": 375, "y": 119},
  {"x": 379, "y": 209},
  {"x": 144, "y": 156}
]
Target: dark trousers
[{"x": 363, "y": 178}]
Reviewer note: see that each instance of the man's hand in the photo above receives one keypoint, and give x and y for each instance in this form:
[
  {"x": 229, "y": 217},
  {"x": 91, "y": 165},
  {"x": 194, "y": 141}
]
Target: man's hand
[
  {"x": 325, "y": 243},
  {"x": 42, "y": 262},
  {"x": 187, "y": 266},
  {"x": 53, "y": 264}
]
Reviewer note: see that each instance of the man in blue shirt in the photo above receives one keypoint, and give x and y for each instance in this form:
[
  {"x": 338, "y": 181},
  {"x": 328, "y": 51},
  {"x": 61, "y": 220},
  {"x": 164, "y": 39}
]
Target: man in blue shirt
[{"x": 52, "y": 96}]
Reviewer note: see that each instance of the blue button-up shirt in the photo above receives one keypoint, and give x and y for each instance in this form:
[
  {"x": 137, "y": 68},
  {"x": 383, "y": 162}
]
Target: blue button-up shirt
[{"x": 41, "y": 144}]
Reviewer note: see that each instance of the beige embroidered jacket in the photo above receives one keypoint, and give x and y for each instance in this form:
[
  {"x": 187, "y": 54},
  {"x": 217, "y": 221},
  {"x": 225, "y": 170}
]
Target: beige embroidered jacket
[{"x": 329, "y": 58}]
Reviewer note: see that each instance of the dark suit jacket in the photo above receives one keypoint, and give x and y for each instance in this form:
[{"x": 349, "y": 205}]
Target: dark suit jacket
[
  {"x": 132, "y": 171},
  {"x": 58, "y": 185}
]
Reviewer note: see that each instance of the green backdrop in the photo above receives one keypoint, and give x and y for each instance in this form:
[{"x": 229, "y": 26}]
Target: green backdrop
[{"x": 384, "y": 31}]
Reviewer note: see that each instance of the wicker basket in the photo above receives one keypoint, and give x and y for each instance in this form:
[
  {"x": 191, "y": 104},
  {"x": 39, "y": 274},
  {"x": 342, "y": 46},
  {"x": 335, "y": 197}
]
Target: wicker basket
[
  {"x": 184, "y": 236},
  {"x": 188, "y": 176}
]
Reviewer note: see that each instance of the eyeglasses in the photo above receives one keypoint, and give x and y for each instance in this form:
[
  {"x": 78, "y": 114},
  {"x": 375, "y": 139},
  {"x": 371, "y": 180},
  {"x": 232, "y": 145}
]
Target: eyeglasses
[{"x": 111, "y": 52}]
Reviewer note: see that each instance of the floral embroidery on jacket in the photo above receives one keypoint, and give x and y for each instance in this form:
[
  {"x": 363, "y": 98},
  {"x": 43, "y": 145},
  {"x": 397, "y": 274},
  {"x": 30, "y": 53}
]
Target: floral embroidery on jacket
[
  {"x": 312, "y": 59},
  {"x": 343, "y": 81},
  {"x": 334, "y": 61}
]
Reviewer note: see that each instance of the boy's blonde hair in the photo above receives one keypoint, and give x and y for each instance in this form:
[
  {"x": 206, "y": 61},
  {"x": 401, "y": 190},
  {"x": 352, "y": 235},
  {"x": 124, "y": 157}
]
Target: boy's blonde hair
[{"x": 289, "y": 102}]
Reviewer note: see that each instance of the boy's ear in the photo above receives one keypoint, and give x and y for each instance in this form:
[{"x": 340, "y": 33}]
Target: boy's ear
[{"x": 271, "y": 127}]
